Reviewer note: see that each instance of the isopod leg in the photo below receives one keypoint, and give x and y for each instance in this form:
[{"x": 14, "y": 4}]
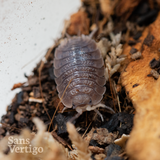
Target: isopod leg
[
  {"x": 109, "y": 108},
  {"x": 93, "y": 32},
  {"x": 99, "y": 114},
  {"x": 90, "y": 108},
  {"x": 67, "y": 35},
  {"x": 75, "y": 117},
  {"x": 63, "y": 109},
  {"x": 103, "y": 106},
  {"x": 79, "y": 33}
]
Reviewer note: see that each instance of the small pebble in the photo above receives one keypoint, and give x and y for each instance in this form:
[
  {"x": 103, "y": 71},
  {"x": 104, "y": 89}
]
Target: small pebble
[
  {"x": 154, "y": 63},
  {"x": 136, "y": 55},
  {"x": 155, "y": 74},
  {"x": 133, "y": 50}
]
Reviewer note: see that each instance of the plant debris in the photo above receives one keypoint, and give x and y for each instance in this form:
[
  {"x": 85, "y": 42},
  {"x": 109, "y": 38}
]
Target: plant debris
[
  {"x": 144, "y": 96},
  {"x": 122, "y": 141},
  {"x": 148, "y": 40},
  {"x": 102, "y": 136},
  {"x": 154, "y": 63},
  {"x": 79, "y": 23},
  {"x": 136, "y": 55},
  {"x": 155, "y": 74},
  {"x": 133, "y": 50}
]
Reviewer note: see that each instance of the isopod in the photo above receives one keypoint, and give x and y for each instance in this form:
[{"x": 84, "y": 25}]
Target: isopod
[{"x": 78, "y": 62}]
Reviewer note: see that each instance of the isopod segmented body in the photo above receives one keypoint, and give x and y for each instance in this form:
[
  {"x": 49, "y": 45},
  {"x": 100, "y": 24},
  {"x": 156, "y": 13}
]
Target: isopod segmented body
[{"x": 78, "y": 62}]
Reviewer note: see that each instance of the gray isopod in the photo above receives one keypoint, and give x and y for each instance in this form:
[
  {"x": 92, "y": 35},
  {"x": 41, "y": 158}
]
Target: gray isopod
[{"x": 78, "y": 62}]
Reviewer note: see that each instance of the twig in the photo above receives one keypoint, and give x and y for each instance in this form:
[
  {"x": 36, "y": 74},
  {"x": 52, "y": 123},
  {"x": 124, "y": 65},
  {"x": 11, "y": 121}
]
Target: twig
[
  {"x": 40, "y": 70},
  {"x": 119, "y": 106},
  {"x": 111, "y": 89},
  {"x": 32, "y": 60},
  {"x": 89, "y": 125},
  {"x": 10, "y": 126},
  {"x": 59, "y": 104},
  {"x": 62, "y": 141}
]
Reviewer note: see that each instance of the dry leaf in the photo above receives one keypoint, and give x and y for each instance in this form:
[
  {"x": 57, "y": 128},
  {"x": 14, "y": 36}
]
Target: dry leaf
[
  {"x": 125, "y": 8},
  {"x": 158, "y": 1},
  {"x": 103, "y": 136},
  {"x": 108, "y": 6},
  {"x": 99, "y": 156},
  {"x": 17, "y": 85},
  {"x": 79, "y": 23},
  {"x": 101, "y": 24},
  {"x": 122, "y": 141},
  {"x": 144, "y": 141},
  {"x": 96, "y": 150},
  {"x": 80, "y": 144}
]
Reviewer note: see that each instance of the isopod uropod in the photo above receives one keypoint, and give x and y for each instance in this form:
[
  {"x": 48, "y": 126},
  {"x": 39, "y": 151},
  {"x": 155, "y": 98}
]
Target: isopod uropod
[{"x": 78, "y": 62}]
